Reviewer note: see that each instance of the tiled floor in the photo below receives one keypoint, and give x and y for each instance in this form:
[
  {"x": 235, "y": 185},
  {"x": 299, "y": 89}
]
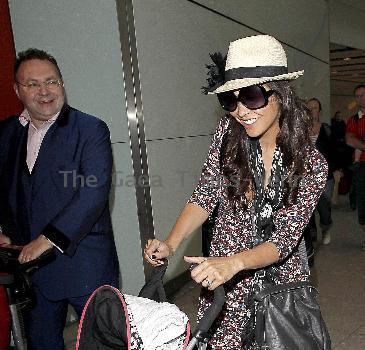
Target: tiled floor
[{"x": 339, "y": 274}]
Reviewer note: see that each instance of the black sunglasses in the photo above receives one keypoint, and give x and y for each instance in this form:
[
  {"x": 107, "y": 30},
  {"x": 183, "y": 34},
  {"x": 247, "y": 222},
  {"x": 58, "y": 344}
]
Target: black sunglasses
[{"x": 253, "y": 97}]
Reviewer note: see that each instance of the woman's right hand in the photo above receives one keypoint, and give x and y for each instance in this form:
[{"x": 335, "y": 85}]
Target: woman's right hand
[{"x": 156, "y": 250}]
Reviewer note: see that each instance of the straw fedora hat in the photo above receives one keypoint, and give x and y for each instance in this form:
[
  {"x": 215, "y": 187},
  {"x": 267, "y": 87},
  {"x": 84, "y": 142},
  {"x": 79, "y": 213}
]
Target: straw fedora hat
[{"x": 255, "y": 60}]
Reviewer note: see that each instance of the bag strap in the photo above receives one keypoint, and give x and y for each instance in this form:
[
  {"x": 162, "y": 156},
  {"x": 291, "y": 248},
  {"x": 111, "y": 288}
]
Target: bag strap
[{"x": 279, "y": 288}]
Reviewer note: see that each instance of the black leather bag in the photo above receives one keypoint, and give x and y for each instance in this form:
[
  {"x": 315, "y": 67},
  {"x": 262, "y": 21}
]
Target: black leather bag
[
  {"x": 284, "y": 316},
  {"x": 288, "y": 317}
]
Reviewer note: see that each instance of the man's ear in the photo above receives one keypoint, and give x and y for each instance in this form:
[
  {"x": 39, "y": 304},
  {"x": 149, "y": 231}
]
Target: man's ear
[{"x": 16, "y": 89}]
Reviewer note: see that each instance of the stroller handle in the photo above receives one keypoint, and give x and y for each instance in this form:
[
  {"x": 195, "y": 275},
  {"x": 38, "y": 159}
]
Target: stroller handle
[
  {"x": 153, "y": 289},
  {"x": 213, "y": 310},
  {"x": 9, "y": 261}
]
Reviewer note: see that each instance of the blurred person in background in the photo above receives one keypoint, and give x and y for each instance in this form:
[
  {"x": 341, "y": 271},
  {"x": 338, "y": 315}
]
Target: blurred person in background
[
  {"x": 320, "y": 135},
  {"x": 344, "y": 157}
]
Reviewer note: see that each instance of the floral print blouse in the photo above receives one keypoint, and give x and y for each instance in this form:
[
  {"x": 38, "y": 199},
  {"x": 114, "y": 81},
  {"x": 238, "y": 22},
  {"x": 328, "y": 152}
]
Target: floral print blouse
[{"x": 233, "y": 233}]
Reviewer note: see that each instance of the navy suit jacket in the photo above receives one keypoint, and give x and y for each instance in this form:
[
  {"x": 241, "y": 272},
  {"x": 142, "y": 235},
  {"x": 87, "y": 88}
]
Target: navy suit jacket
[{"x": 69, "y": 201}]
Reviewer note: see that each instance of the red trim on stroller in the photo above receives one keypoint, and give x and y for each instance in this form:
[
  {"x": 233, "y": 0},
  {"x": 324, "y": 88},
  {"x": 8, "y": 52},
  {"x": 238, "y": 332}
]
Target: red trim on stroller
[
  {"x": 121, "y": 298},
  {"x": 80, "y": 341},
  {"x": 188, "y": 330}
]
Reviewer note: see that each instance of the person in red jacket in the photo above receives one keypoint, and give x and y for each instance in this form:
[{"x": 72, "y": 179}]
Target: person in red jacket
[{"x": 355, "y": 137}]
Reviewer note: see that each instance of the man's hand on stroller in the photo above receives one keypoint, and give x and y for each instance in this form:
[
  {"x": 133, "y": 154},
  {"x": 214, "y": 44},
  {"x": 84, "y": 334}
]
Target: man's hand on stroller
[
  {"x": 4, "y": 240},
  {"x": 34, "y": 249},
  {"x": 212, "y": 272},
  {"x": 155, "y": 250}
]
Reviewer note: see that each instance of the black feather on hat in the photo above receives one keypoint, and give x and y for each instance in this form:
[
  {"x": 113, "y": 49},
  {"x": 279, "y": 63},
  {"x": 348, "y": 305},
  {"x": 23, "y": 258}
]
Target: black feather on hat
[{"x": 215, "y": 72}]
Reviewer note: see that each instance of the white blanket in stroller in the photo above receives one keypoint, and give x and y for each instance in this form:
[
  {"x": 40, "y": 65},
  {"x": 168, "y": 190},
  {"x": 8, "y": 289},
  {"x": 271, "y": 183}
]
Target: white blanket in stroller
[{"x": 161, "y": 326}]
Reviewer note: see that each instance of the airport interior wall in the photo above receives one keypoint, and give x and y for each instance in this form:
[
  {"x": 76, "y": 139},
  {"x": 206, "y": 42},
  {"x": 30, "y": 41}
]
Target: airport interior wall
[
  {"x": 347, "y": 28},
  {"x": 174, "y": 39},
  {"x": 8, "y": 100},
  {"x": 84, "y": 37}
]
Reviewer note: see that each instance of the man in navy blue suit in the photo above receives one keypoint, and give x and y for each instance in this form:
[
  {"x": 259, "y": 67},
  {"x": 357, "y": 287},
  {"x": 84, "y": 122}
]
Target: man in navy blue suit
[{"x": 55, "y": 177}]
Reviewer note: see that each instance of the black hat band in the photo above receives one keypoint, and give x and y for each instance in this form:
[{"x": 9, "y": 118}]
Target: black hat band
[{"x": 254, "y": 72}]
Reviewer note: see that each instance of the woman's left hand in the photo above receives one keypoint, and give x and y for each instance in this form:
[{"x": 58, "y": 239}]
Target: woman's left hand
[{"x": 214, "y": 271}]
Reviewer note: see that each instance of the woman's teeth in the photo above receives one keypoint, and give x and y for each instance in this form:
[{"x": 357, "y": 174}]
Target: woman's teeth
[{"x": 249, "y": 121}]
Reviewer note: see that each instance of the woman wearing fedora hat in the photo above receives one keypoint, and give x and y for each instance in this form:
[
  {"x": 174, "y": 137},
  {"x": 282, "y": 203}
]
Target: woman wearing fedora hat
[{"x": 265, "y": 176}]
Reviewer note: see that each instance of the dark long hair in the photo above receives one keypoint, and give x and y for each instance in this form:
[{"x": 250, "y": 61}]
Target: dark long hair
[{"x": 293, "y": 139}]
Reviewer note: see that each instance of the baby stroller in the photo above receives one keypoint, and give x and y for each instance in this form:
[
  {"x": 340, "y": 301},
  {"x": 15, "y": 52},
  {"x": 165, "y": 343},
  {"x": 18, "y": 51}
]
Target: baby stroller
[
  {"x": 112, "y": 320},
  {"x": 15, "y": 278}
]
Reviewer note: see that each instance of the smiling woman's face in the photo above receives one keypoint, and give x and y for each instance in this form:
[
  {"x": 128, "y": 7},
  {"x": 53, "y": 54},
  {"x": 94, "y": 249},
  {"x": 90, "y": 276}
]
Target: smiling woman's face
[{"x": 259, "y": 122}]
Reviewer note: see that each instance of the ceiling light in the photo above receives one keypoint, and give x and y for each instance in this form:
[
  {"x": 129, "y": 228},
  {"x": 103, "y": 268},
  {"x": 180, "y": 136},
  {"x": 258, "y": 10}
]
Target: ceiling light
[{"x": 347, "y": 59}]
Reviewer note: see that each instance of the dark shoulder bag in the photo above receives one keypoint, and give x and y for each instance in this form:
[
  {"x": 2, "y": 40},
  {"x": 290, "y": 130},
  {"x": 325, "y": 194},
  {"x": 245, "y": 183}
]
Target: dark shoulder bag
[{"x": 288, "y": 316}]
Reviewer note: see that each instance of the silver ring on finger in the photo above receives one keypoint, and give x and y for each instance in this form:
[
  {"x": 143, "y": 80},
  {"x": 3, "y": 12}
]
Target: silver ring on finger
[{"x": 208, "y": 283}]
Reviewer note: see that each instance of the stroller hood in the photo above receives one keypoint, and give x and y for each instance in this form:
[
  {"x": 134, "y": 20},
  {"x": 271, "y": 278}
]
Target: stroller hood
[{"x": 112, "y": 320}]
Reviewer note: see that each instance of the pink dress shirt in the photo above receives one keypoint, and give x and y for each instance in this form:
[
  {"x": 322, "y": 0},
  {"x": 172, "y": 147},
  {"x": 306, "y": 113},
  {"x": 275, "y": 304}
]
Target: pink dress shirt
[{"x": 35, "y": 136}]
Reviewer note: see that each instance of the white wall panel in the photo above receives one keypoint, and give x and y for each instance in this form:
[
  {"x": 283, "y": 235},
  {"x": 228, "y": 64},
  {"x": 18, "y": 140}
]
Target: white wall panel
[
  {"x": 347, "y": 27},
  {"x": 315, "y": 82},
  {"x": 125, "y": 221},
  {"x": 175, "y": 167},
  {"x": 302, "y": 24},
  {"x": 347, "y": 24},
  {"x": 174, "y": 40},
  {"x": 83, "y": 36}
]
